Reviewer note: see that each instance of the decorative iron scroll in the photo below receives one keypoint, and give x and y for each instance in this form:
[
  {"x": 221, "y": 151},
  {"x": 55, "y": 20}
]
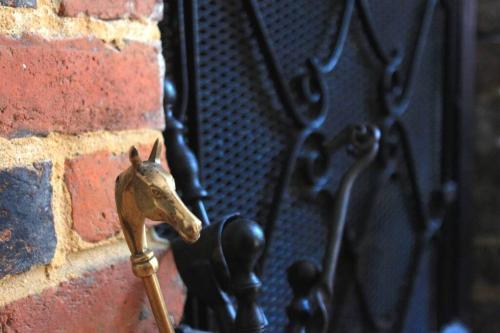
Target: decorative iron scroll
[
  {"x": 396, "y": 95},
  {"x": 313, "y": 90},
  {"x": 384, "y": 144},
  {"x": 313, "y": 287}
]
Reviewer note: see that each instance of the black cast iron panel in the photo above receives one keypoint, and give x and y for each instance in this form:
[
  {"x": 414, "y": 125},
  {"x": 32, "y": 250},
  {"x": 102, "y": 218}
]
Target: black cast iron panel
[
  {"x": 243, "y": 131},
  {"x": 246, "y": 134}
]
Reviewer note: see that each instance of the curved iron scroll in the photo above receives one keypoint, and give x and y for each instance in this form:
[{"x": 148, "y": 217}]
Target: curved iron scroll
[{"x": 309, "y": 310}]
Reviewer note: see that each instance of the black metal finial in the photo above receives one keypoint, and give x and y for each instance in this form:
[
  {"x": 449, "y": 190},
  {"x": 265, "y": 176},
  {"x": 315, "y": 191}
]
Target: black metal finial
[
  {"x": 302, "y": 277},
  {"x": 182, "y": 161},
  {"x": 243, "y": 243}
]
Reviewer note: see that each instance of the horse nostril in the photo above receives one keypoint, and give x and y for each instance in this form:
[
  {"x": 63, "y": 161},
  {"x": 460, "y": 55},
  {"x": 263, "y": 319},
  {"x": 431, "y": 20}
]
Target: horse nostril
[{"x": 194, "y": 228}]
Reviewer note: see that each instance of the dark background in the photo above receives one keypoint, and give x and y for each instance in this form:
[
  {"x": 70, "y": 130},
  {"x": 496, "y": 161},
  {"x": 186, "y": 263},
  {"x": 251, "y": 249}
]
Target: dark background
[{"x": 486, "y": 289}]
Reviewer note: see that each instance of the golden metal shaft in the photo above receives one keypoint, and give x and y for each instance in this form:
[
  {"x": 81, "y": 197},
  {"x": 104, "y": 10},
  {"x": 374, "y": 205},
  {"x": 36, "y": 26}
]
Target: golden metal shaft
[
  {"x": 145, "y": 265},
  {"x": 157, "y": 304}
]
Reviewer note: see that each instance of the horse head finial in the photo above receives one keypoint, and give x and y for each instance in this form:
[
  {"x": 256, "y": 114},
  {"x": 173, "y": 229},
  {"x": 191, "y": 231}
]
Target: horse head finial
[{"x": 147, "y": 191}]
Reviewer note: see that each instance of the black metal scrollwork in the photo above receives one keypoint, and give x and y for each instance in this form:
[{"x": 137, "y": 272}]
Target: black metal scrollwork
[
  {"x": 313, "y": 288},
  {"x": 312, "y": 90},
  {"x": 231, "y": 269}
]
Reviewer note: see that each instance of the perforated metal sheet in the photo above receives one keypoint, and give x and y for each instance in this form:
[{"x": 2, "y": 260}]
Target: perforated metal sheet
[{"x": 245, "y": 136}]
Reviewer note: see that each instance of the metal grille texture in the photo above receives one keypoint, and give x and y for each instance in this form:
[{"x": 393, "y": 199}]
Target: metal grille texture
[{"x": 245, "y": 135}]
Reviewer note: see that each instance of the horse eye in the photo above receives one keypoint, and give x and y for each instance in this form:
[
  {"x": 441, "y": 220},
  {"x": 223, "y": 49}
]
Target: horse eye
[{"x": 156, "y": 192}]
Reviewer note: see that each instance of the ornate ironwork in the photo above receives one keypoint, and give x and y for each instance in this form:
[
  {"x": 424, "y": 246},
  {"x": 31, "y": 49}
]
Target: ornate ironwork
[
  {"x": 384, "y": 145},
  {"x": 313, "y": 288},
  {"x": 396, "y": 96}
]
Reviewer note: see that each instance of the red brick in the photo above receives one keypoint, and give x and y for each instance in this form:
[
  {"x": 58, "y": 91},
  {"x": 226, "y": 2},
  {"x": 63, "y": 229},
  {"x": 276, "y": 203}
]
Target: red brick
[
  {"x": 109, "y": 300},
  {"x": 77, "y": 85},
  {"x": 91, "y": 183},
  {"x": 113, "y": 9}
]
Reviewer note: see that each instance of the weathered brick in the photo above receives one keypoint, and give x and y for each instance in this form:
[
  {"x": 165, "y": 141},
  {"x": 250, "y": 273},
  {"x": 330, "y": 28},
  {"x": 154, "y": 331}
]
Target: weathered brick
[
  {"x": 19, "y": 3},
  {"x": 91, "y": 183},
  {"x": 27, "y": 235},
  {"x": 113, "y": 9},
  {"x": 78, "y": 85},
  {"x": 109, "y": 300}
]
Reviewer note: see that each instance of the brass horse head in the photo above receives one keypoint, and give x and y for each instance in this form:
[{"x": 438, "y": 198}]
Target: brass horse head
[{"x": 147, "y": 190}]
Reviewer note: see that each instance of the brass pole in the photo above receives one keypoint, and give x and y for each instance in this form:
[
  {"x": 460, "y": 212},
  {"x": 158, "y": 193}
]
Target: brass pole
[{"x": 145, "y": 265}]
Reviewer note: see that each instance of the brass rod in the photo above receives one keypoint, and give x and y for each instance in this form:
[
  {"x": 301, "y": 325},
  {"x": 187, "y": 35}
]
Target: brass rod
[
  {"x": 157, "y": 302},
  {"x": 144, "y": 266}
]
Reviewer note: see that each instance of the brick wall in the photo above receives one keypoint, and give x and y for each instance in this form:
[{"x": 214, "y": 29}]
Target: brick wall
[
  {"x": 486, "y": 295},
  {"x": 81, "y": 83}
]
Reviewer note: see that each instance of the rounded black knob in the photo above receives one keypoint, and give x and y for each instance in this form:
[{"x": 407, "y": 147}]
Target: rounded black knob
[
  {"x": 302, "y": 276},
  {"x": 242, "y": 243}
]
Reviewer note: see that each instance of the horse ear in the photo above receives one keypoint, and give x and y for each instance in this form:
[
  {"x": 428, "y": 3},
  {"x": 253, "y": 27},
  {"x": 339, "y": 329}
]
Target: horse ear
[
  {"x": 155, "y": 152},
  {"x": 134, "y": 157}
]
